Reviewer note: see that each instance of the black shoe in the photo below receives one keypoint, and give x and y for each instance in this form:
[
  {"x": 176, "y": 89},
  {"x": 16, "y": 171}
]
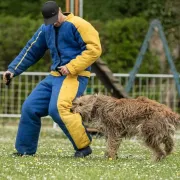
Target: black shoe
[
  {"x": 83, "y": 152},
  {"x": 17, "y": 154}
]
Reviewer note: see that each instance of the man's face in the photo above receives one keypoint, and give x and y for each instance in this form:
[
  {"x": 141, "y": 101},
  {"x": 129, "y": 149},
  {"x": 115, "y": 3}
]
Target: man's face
[{"x": 58, "y": 22}]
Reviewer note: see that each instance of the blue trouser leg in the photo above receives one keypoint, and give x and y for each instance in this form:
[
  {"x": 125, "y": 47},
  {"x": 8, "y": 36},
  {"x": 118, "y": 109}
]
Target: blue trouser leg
[
  {"x": 34, "y": 107},
  {"x": 53, "y": 96}
]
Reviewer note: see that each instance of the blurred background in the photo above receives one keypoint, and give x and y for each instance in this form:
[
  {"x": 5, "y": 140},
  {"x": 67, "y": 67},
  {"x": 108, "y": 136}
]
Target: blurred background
[{"x": 122, "y": 26}]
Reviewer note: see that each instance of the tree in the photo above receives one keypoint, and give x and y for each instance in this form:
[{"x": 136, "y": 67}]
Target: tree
[{"x": 14, "y": 34}]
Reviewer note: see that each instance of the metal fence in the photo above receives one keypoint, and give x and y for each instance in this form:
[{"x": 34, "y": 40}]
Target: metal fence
[{"x": 155, "y": 86}]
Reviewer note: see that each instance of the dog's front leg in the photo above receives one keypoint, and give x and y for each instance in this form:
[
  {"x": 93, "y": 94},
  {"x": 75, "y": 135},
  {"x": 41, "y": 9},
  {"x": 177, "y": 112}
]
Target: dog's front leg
[{"x": 112, "y": 146}]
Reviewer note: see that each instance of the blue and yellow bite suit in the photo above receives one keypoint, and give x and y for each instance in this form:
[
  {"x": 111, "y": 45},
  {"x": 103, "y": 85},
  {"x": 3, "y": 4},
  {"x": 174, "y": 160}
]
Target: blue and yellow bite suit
[{"x": 75, "y": 44}]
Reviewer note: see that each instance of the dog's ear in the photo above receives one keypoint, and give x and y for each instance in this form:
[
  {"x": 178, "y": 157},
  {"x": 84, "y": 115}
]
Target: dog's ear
[
  {"x": 98, "y": 94},
  {"x": 93, "y": 98}
]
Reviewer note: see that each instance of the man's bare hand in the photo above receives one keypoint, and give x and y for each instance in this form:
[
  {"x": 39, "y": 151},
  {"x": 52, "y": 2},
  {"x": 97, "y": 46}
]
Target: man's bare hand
[
  {"x": 64, "y": 70},
  {"x": 5, "y": 76}
]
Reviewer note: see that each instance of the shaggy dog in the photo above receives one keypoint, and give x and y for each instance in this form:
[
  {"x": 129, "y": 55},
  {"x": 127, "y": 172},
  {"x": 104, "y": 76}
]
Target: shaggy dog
[{"x": 120, "y": 118}]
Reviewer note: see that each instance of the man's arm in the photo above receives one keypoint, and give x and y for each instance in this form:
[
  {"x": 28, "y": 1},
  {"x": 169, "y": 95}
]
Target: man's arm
[
  {"x": 88, "y": 39},
  {"x": 30, "y": 54}
]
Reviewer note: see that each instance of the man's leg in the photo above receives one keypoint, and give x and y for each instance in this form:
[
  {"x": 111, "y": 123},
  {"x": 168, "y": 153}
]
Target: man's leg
[
  {"x": 34, "y": 107},
  {"x": 64, "y": 91}
]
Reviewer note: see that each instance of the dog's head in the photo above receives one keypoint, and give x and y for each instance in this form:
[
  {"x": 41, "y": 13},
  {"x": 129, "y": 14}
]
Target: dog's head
[{"x": 84, "y": 105}]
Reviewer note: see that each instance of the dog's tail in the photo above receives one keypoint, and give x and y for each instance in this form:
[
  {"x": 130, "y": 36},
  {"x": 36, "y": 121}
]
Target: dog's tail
[
  {"x": 174, "y": 118},
  {"x": 178, "y": 121}
]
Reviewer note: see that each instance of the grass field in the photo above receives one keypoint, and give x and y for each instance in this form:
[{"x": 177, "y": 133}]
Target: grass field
[{"x": 54, "y": 160}]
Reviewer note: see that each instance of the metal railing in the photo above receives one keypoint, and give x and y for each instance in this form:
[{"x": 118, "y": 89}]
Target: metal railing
[{"x": 160, "y": 87}]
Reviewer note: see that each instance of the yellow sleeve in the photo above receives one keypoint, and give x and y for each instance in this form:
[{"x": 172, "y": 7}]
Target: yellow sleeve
[{"x": 93, "y": 47}]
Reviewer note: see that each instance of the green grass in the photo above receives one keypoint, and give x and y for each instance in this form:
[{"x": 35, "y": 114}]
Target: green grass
[{"x": 54, "y": 160}]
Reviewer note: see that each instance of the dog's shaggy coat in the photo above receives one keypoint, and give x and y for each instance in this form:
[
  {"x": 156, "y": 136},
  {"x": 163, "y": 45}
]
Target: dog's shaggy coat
[{"x": 119, "y": 118}]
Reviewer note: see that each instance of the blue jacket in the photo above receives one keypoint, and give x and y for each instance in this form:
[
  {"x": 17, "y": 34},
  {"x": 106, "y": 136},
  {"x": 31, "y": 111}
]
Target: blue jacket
[{"x": 75, "y": 45}]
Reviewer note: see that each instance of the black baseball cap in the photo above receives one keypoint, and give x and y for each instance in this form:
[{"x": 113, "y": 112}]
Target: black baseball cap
[{"x": 50, "y": 11}]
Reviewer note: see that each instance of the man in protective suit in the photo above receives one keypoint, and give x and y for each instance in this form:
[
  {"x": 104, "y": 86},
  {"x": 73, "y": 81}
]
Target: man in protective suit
[{"x": 74, "y": 45}]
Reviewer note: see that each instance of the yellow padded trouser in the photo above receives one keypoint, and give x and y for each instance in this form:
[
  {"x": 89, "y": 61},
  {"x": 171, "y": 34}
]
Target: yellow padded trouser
[{"x": 73, "y": 122}]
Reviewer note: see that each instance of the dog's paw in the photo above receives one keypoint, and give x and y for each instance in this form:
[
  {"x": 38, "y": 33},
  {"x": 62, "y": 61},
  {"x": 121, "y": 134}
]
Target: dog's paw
[
  {"x": 110, "y": 157},
  {"x": 159, "y": 158}
]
